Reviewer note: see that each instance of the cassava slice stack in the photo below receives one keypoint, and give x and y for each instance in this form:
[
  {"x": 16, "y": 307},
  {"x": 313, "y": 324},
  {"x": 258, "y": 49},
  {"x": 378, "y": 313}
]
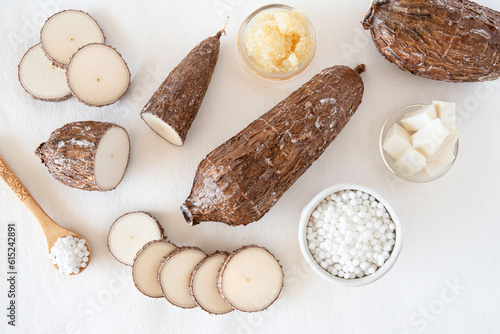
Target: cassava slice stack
[
  {"x": 72, "y": 59},
  {"x": 242, "y": 179},
  {"x": 173, "y": 107},
  {"x": 249, "y": 279},
  {"x": 87, "y": 155},
  {"x": 447, "y": 40}
]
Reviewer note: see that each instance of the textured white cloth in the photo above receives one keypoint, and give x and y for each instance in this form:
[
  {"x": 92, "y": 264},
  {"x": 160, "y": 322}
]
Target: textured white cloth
[{"x": 446, "y": 278}]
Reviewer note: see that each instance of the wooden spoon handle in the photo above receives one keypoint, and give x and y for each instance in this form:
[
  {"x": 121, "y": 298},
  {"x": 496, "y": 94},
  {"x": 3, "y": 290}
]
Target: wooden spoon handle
[
  {"x": 24, "y": 195},
  {"x": 12, "y": 181}
]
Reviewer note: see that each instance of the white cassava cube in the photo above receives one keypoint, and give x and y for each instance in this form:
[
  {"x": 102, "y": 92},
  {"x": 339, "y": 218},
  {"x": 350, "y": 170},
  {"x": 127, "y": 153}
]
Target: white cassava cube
[
  {"x": 431, "y": 168},
  {"x": 429, "y": 139},
  {"x": 397, "y": 141},
  {"x": 411, "y": 161},
  {"x": 446, "y": 113},
  {"x": 418, "y": 119},
  {"x": 447, "y": 147}
]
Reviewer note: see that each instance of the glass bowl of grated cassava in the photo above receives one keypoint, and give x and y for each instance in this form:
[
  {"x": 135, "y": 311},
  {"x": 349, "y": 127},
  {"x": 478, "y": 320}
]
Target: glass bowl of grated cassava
[{"x": 276, "y": 42}]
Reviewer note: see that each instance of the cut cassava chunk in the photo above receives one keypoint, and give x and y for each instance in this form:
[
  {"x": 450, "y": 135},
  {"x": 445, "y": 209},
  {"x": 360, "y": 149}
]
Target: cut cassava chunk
[
  {"x": 87, "y": 155},
  {"x": 39, "y": 78},
  {"x": 174, "y": 274},
  {"x": 146, "y": 264},
  {"x": 130, "y": 233},
  {"x": 97, "y": 75},
  {"x": 447, "y": 40},
  {"x": 65, "y": 32},
  {"x": 203, "y": 285},
  {"x": 242, "y": 179},
  {"x": 173, "y": 107},
  {"x": 250, "y": 279}
]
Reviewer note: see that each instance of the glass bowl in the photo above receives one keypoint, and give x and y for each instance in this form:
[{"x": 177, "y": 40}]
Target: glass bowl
[
  {"x": 354, "y": 282},
  {"x": 390, "y": 161},
  {"x": 247, "y": 60}
]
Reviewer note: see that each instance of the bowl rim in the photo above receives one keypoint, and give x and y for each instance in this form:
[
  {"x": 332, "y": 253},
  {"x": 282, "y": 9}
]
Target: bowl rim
[
  {"x": 385, "y": 157},
  {"x": 356, "y": 282},
  {"x": 254, "y": 70}
]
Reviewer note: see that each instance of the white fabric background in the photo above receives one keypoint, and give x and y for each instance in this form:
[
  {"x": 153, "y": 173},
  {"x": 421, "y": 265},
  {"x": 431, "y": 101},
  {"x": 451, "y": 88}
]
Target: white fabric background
[{"x": 452, "y": 225}]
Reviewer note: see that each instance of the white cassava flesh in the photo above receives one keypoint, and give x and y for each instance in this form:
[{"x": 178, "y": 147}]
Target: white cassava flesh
[
  {"x": 111, "y": 158},
  {"x": 146, "y": 264},
  {"x": 98, "y": 75},
  {"x": 130, "y": 233},
  {"x": 65, "y": 32},
  {"x": 40, "y": 78},
  {"x": 250, "y": 279},
  {"x": 175, "y": 272},
  {"x": 162, "y": 129},
  {"x": 203, "y": 285}
]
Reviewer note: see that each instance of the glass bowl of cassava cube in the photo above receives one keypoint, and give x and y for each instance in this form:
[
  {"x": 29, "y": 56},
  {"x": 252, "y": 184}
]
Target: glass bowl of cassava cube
[{"x": 419, "y": 143}]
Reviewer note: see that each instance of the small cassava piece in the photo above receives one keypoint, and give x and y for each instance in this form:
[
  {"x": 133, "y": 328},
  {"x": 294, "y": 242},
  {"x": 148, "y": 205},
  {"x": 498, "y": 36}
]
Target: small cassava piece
[
  {"x": 146, "y": 264},
  {"x": 174, "y": 106},
  {"x": 203, "y": 285},
  {"x": 446, "y": 40},
  {"x": 97, "y": 75},
  {"x": 87, "y": 155},
  {"x": 174, "y": 275},
  {"x": 250, "y": 279},
  {"x": 39, "y": 78},
  {"x": 65, "y": 32},
  {"x": 130, "y": 233},
  {"x": 241, "y": 180}
]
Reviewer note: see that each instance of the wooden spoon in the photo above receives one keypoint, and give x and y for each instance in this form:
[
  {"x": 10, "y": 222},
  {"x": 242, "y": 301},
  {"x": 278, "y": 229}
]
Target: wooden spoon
[{"x": 51, "y": 229}]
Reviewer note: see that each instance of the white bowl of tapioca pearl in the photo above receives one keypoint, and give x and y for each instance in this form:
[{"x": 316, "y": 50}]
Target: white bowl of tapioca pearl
[{"x": 350, "y": 234}]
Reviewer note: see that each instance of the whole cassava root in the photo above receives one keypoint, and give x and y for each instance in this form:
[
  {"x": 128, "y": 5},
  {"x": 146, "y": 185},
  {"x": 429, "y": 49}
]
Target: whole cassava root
[
  {"x": 175, "y": 104},
  {"x": 242, "y": 179},
  {"x": 446, "y": 40},
  {"x": 87, "y": 155}
]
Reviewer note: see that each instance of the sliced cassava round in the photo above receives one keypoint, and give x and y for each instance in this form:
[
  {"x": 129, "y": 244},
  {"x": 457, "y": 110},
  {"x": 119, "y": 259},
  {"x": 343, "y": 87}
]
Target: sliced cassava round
[
  {"x": 65, "y": 32},
  {"x": 175, "y": 104},
  {"x": 250, "y": 279},
  {"x": 39, "y": 78},
  {"x": 87, "y": 155},
  {"x": 203, "y": 285},
  {"x": 174, "y": 274},
  {"x": 130, "y": 233},
  {"x": 146, "y": 264},
  {"x": 97, "y": 75}
]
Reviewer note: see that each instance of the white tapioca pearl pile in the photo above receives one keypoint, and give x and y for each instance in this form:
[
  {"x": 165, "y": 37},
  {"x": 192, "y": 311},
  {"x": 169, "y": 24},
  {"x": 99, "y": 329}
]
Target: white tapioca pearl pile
[
  {"x": 350, "y": 234},
  {"x": 69, "y": 254}
]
